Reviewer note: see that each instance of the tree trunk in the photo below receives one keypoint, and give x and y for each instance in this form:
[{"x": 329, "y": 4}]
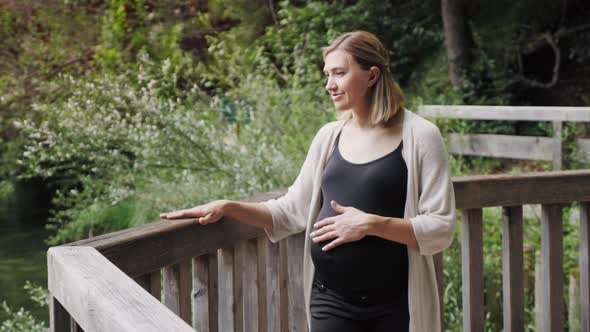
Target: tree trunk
[{"x": 458, "y": 39}]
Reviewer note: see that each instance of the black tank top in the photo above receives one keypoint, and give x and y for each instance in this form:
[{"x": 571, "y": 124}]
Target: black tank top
[{"x": 372, "y": 266}]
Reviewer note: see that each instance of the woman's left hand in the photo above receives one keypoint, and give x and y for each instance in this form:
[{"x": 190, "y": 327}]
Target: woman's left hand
[{"x": 349, "y": 225}]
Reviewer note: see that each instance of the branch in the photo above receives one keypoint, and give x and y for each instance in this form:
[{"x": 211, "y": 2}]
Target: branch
[
  {"x": 561, "y": 33},
  {"x": 553, "y": 43}
]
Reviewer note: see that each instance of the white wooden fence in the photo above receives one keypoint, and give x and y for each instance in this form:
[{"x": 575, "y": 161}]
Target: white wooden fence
[{"x": 512, "y": 146}]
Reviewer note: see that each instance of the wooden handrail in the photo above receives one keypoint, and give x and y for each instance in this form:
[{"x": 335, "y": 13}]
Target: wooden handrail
[{"x": 227, "y": 276}]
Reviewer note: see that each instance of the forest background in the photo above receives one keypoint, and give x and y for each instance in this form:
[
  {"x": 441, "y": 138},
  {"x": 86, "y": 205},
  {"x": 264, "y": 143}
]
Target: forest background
[{"x": 116, "y": 110}]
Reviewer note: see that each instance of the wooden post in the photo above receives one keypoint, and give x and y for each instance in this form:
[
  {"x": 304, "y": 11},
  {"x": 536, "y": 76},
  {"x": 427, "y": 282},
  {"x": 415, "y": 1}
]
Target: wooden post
[
  {"x": 512, "y": 269},
  {"x": 59, "y": 318},
  {"x": 172, "y": 289},
  {"x": 226, "y": 290},
  {"x": 585, "y": 266},
  {"x": 557, "y": 145},
  {"x": 200, "y": 293},
  {"x": 552, "y": 267},
  {"x": 472, "y": 267}
]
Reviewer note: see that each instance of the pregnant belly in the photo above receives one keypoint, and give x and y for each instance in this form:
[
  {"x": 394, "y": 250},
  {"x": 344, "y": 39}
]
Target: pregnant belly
[{"x": 369, "y": 265}]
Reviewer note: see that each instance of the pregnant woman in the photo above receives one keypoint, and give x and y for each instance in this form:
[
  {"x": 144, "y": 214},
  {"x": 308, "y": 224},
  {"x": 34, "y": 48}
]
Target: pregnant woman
[{"x": 374, "y": 197}]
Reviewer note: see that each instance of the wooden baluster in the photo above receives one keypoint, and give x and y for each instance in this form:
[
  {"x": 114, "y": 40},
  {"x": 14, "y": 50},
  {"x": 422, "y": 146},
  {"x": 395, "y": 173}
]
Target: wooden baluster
[
  {"x": 171, "y": 288},
  {"x": 472, "y": 269},
  {"x": 213, "y": 293},
  {"x": 185, "y": 275},
  {"x": 585, "y": 266},
  {"x": 156, "y": 284},
  {"x": 151, "y": 282},
  {"x": 59, "y": 318},
  {"x": 296, "y": 305},
  {"x": 245, "y": 286},
  {"x": 284, "y": 285},
  {"x": 557, "y": 126},
  {"x": 200, "y": 294},
  {"x": 512, "y": 269},
  {"x": 552, "y": 267},
  {"x": 438, "y": 266},
  {"x": 269, "y": 287},
  {"x": 226, "y": 290}
]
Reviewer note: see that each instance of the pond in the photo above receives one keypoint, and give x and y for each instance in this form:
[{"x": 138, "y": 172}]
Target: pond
[{"x": 23, "y": 249}]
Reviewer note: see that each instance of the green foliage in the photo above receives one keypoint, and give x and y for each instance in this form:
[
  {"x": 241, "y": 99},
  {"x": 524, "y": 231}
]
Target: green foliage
[{"x": 22, "y": 320}]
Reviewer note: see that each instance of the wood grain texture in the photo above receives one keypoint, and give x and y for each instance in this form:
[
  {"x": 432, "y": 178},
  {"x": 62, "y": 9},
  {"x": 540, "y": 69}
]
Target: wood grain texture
[
  {"x": 513, "y": 269},
  {"x": 556, "y": 148},
  {"x": 171, "y": 288},
  {"x": 161, "y": 243},
  {"x": 530, "y": 188},
  {"x": 213, "y": 292},
  {"x": 583, "y": 149},
  {"x": 523, "y": 113},
  {"x": 226, "y": 307},
  {"x": 269, "y": 289},
  {"x": 200, "y": 293},
  {"x": 472, "y": 270},
  {"x": 585, "y": 266},
  {"x": 246, "y": 286},
  {"x": 185, "y": 287},
  {"x": 102, "y": 298},
  {"x": 296, "y": 304},
  {"x": 502, "y": 146},
  {"x": 552, "y": 305}
]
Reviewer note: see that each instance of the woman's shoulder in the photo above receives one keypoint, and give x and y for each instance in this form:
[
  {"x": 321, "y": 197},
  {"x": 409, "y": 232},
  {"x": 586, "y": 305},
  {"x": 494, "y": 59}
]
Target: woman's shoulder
[{"x": 329, "y": 129}]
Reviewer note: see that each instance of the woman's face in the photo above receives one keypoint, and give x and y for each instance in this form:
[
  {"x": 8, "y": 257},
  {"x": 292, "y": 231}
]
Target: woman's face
[{"x": 347, "y": 83}]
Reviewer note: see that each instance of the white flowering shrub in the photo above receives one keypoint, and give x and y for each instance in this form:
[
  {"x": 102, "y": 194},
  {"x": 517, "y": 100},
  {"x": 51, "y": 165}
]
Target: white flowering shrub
[{"x": 122, "y": 148}]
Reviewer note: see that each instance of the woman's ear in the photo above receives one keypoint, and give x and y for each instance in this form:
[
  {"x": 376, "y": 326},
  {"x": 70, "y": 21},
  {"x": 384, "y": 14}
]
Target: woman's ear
[{"x": 374, "y": 73}]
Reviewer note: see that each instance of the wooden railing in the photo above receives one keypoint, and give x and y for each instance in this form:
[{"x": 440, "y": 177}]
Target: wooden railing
[
  {"x": 512, "y": 146},
  {"x": 228, "y": 277}
]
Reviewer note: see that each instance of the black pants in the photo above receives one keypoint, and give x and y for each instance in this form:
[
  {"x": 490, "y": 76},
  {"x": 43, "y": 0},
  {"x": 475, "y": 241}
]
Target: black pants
[{"x": 332, "y": 312}]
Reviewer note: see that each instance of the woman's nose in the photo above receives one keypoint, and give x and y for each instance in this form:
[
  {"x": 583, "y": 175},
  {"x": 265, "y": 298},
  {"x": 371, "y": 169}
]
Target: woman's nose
[{"x": 330, "y": 85}]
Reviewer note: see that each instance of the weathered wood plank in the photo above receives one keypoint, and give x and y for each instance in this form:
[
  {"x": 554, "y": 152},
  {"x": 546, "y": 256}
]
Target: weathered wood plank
[
  {"x": 156, "y": 284},
  {"x": 269, "y": 285},
  {"x": 296, "y": 304},
  {"x": 502, "y": 146},
  {"x": 522, "y": 113},
  {"x": 246, "y": 286},
  {"x": 552, "y": 268},
  {"x": 557, "y": 125},
  {"x": 171, "y": 288},
  {"x": 74, "y": 327},
  {"x": 513, "y": 269},
  {"x": 59, "y": 318},
  {"x": 226, "y": 312},
  {"x": 284, "y": 284},
  {"x": 200, "y": 293},
  {"x": 472, "y": 269},
  {"x": 530, "y": 188},
  {"x": 151, "y": 246},
  {"x": 213, "y": 292},
  {"x": 585, "y": 266},
  {"x": 102, "y": 298},
  {"x": 185, "y": 278},
  {"x": 583, "y": 149}
]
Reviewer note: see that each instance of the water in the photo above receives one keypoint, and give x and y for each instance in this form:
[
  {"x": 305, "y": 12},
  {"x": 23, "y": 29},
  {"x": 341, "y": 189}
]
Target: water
[{"x": 23, "y": 250}]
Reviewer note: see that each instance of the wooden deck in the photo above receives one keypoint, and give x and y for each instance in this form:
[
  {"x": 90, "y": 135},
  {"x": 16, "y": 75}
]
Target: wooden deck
[{"x": 179, "y": 276}]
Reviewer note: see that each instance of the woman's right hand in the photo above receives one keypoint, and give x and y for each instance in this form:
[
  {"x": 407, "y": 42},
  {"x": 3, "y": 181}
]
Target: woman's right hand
[{"x": 204, "y": 214}]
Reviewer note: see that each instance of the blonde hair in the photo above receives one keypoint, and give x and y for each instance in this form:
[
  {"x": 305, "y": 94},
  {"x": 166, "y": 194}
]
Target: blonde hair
[{"x": 367, "y": 50}]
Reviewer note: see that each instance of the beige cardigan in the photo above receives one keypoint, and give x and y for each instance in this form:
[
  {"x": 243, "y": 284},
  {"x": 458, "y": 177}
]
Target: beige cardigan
[{"x": 430, "y": 207}]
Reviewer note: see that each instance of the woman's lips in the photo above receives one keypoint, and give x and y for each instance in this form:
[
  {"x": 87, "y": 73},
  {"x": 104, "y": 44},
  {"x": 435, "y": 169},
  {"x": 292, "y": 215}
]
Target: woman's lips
[{"x": 337, "y": 96}]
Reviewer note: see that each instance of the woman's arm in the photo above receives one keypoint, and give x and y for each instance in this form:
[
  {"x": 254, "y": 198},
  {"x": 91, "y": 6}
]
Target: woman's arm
[
  {"x": 352, "y": 224},
  {"x": 255, "y": 214},
  {"x": 393, "y": 229}
]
